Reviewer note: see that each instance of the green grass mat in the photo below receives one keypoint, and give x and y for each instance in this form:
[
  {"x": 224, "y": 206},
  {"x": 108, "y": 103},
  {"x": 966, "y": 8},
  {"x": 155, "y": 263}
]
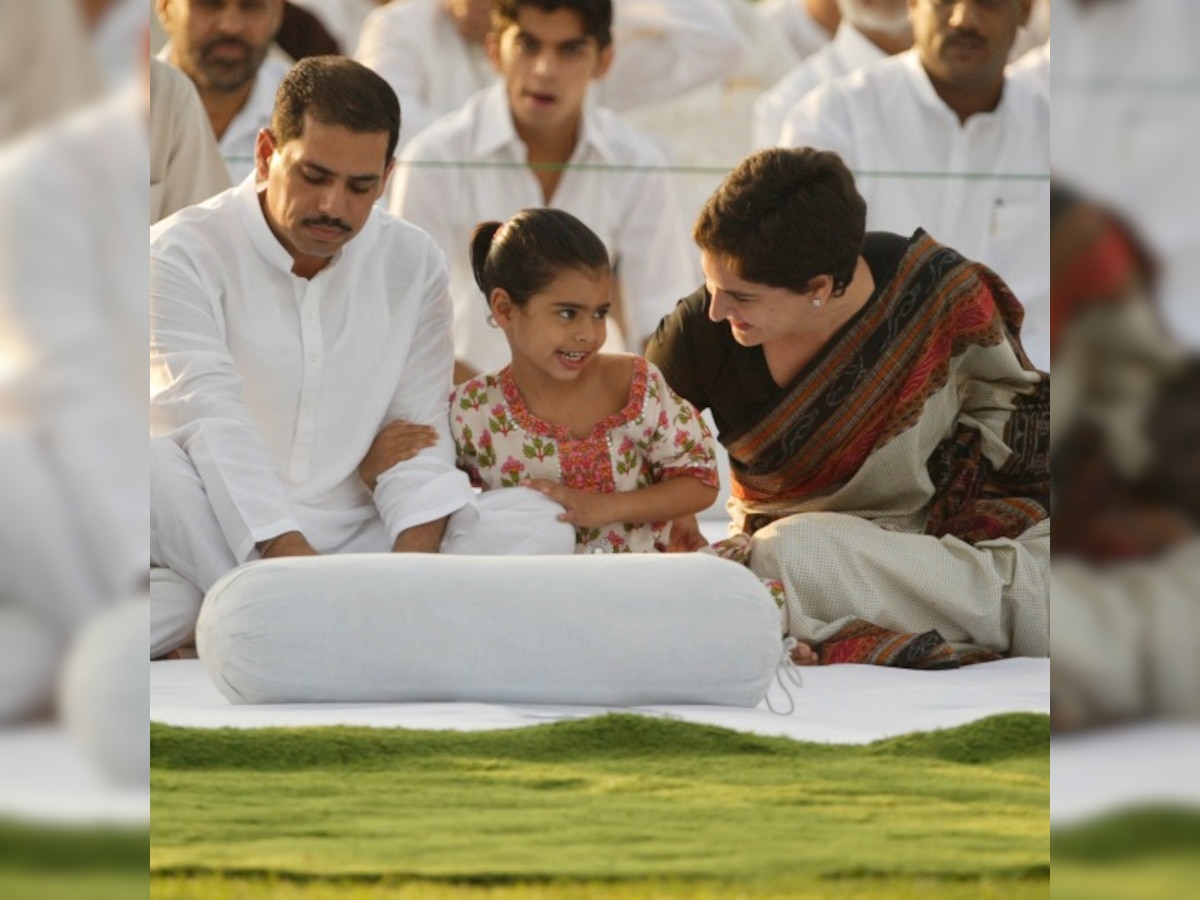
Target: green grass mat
[{"x": 605, "y": 800}]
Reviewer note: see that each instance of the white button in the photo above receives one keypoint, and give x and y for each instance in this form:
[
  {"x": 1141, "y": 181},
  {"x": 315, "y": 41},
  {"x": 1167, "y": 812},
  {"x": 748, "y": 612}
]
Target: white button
[
  {"x": 312, "y": 357},
  {"x": 308, "y": 315}
]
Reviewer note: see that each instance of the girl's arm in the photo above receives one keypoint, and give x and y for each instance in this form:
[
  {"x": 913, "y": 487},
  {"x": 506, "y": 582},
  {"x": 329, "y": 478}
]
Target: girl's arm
[{"x": 660, "y": 502}]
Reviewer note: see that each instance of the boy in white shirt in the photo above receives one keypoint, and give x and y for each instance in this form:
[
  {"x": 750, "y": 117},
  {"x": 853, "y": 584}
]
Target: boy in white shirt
[
  {"x": 432, "y": 52},
  {"x": 535, "y": 140}
]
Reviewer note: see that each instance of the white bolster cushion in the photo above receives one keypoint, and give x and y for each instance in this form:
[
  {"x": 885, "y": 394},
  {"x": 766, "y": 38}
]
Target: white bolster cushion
[{"x": 622, "y": 630}]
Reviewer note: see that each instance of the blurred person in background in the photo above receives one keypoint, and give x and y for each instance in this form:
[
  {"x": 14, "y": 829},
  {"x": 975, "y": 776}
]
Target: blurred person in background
[
  {"x": 947, "y": 144},
  {"x": 1126, "y": 569},
  {"x": 117, "y": 29},
  {"x": 185, "y": 162},
  {"x": 534, "y": 140},
  {"x": 223, "y": 46},
  {"x": 72, "y": 394},
  {"x": 870, "y": 31},
  {"x": 432, "y": 52}
]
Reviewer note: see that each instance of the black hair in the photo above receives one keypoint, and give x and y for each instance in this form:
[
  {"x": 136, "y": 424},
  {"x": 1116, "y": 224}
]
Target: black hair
[
  {"x": 597, "y": 15},
  {"x": 530, "y": 250},
  {"x": 335, "y": 90},
  {"x": 784, "y": 216}
]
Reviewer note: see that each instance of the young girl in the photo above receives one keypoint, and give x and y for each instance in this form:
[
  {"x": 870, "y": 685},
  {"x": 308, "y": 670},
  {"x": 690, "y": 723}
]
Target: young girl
[{"x": 601, "y": 434}]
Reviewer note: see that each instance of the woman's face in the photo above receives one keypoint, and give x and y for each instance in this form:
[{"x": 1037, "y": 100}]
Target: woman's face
[{"x": 757, "y": 313}]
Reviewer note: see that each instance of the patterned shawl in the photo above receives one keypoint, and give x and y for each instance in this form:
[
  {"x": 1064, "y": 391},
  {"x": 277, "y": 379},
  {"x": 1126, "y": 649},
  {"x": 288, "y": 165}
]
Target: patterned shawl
[{"x": 871, "y": 384}]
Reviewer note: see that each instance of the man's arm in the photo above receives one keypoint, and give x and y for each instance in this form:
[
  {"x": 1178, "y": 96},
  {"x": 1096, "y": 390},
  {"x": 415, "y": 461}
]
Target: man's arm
[
  {"x": 197, "y": 400},
  {"x": 425, "y": 538}
]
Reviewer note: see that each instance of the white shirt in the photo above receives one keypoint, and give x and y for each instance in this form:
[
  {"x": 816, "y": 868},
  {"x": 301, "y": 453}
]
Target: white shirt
[
  {"x": 917, "y": 166},
  {"x": 849, "y": 51},
  {"x": 804, "y": 33},
  {"x": 237, "y": 143},
  {"x": 663, "y": 48},
  {"x": 635, "y": 212},
  {"x": 276, "y": 385}
]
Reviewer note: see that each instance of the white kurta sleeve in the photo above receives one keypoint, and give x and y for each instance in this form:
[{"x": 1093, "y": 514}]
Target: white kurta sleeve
[
  {"x": 428, "y": 486},
  {"x": 667, "y": 47},
  {"x": 199, "y": 404}
]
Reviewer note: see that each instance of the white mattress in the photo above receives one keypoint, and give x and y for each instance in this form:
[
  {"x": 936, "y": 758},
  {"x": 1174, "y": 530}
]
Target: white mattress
[{"x": 837, "y": 704}]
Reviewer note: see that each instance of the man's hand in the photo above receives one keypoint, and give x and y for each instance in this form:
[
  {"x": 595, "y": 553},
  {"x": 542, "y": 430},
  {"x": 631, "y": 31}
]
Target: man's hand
[
  {"x": 583, "y": 508},
  {"x": 425, "y": 538},
  {"x": 290, "y": 543},
  {"x": 397, "y": 442},
  {"x": 686, "y": 536}
]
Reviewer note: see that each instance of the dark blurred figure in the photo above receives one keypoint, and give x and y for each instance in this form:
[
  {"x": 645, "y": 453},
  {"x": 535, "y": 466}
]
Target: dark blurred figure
[
  {"x": 1126, "y": 468},
  {"x": 302, "y": 34}
]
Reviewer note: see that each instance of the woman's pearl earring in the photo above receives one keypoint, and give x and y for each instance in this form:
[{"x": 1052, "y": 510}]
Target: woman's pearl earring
[{"x": 817, "y": 302}]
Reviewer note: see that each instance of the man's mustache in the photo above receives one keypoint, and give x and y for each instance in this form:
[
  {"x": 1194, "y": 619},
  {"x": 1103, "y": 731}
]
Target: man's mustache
[
  {"x": 966, "y": 39},
  {"x": 327, "y": 222},
  {"x": 226, "y": 42}
]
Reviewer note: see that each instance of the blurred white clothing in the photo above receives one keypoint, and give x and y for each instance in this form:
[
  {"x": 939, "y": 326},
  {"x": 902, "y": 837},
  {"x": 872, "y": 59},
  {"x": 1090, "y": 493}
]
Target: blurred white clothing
[
  {"x": 185, "y": 164},
  {"x": 849, "y": 51}
]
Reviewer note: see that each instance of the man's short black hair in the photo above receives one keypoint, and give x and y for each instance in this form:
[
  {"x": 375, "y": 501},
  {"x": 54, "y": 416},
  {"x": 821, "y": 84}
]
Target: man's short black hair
[
  {"x": 597, "y": 15},
  {"x": 335, "y": 90},
  {"x": 784, "y": 216}
]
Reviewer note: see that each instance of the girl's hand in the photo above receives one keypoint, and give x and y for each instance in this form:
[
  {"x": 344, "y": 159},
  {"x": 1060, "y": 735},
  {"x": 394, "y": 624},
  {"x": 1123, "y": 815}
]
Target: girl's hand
[
  {"x": 397, "y": 442},
  {"x": 686, "y": 536},
  {"x": 583, "y": 509}
]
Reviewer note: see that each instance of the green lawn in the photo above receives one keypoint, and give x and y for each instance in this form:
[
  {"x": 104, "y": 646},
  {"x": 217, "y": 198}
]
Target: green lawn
[{"x": 618, "y": 805}]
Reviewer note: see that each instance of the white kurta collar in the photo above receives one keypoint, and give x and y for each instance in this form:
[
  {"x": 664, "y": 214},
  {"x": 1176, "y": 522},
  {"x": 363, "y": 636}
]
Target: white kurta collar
[{"x": 928, "y": 95}]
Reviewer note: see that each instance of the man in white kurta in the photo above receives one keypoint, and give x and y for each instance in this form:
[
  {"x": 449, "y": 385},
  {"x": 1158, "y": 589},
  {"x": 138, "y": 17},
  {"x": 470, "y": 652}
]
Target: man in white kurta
[
  {"x": 435, "y": 59},
  {"x": 976, "y": 178},
  {"x": 290, "y": 322},
  {"x": 473, "y": 166},
  {"x": 858, "y": 43},
  {"x": 230, "y": 56}
]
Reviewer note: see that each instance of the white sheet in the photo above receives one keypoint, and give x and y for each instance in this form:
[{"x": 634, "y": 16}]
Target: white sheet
[
  {"x": 837, "y": 704},
  {"x": 1101, "y": 773}
]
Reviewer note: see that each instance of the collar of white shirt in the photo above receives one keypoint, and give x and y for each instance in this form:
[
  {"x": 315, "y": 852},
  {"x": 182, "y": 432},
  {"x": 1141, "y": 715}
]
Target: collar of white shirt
[
  {"x": 495, "y": 131},
  {"x": 929, "y": 96}
]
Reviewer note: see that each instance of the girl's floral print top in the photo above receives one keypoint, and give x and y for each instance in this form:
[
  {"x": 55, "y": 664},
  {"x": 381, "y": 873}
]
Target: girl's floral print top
[{"x": 656, "y": 437}]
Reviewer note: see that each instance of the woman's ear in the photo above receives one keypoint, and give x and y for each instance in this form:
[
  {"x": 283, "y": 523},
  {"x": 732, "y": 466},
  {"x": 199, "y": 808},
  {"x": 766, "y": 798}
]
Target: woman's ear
[{"x": 820, "y": 287}]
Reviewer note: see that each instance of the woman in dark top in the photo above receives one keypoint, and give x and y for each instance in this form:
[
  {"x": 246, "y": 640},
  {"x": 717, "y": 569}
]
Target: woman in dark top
[{"x": 887, "y": 434}]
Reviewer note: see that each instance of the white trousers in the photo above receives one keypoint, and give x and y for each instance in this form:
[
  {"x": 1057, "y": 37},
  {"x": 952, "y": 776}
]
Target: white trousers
[{"x": 189, "y": 552}]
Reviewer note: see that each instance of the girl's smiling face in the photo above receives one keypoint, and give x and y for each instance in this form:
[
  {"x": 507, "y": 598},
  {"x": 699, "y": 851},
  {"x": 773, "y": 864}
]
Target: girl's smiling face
[{"x": 560, "y": 329}]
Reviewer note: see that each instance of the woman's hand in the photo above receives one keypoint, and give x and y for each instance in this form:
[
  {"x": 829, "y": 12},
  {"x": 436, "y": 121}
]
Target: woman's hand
[
  {"x": 397, "y": 442},
  {"x": 583, "y": 508}
]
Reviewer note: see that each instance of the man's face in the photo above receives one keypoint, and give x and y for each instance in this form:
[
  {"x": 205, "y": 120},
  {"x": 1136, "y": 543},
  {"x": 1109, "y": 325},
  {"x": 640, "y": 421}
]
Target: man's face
[
  {"x": 473, "y": 18},
  {"x": 220, "y": 44},
  {"x": 965, "y": 43},
  {"x": 320, "y": 188},
  {"x": 547, "y": 61}
]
